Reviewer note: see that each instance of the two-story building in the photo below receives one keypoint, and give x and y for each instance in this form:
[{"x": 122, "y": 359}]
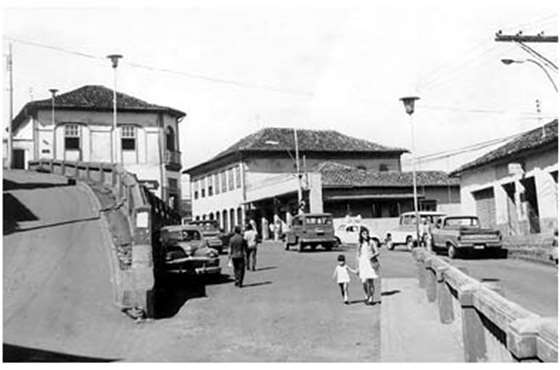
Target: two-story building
[
  {"x": 77, "y": 126},
  {"x": 515, "y": 186},
  {"x": 257, "y": 178}
]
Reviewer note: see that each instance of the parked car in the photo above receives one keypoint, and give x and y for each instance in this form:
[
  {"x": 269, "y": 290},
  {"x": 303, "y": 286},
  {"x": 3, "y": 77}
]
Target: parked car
[
  {"x": 554, "y": 250},
  {"x": 405, "y": 233},
  {"x": 212, "y": 233},
  {"x": 311, "y": 229},
  {"x": 186, "y": 251},
  {"x": 457, "y": 234},
  {"x": 348, "y": 233}
]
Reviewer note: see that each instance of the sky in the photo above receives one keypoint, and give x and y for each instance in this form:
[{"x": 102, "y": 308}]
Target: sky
[{"x": 338, "y": 65}]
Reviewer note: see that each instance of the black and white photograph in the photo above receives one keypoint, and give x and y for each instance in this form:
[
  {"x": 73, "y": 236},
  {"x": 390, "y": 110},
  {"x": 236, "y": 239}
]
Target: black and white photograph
[{"x": 228, "y": 183}]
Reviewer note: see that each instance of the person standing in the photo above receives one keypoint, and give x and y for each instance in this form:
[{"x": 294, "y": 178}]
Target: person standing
[
  {"x": 368, "y": 264},
  {"x": 237, "y": 251},
  {"x": 251, "y": 238}
]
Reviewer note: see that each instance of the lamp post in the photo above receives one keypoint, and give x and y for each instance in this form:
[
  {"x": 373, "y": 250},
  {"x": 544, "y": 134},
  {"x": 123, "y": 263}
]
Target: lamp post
[
  {"x": 408, "y": 102},
  {"x": 53, "y": 95},
  {"x": 520, "y": 61},
  {"x": 114, "y": 63}
]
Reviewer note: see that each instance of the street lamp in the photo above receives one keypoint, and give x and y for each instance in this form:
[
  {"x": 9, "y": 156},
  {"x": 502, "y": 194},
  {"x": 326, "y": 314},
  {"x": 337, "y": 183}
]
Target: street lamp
[
  {"x": 53, "y": 95},
  {"x": 114, "y": 63},
  {"x": 520, "y": 61},
  {"x": 408, "y": 102}
]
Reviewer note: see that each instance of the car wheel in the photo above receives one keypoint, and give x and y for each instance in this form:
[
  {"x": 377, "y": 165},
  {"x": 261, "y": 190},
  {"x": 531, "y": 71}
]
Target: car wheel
[
  {"x": 451, "y": 251},
  {"x": 286, "y": 245},
  {"x": 300, "y": 246},
  {"x": 330, "y": 246}
]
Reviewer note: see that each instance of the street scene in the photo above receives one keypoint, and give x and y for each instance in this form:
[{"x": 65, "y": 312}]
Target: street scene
[{"x": 284, "y": 183}]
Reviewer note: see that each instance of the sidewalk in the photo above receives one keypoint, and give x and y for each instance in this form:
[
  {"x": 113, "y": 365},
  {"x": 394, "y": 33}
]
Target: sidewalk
[{"x": 410, "y": 327}]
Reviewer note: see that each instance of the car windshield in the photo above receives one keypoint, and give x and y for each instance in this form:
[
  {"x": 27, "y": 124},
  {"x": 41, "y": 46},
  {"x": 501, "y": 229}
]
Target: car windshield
[
  {"x": 318, "y": 220},
  {"x": 182, "y": 235},
  {"x": 207, "y": 226},
  {"x": 463, "y": 221},
  {"x": 409, "y": 219}
]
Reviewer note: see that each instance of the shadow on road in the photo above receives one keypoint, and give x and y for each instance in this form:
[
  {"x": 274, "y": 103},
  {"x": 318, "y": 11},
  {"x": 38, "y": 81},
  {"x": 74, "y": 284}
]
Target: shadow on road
[
  {"x": 266, "y": 268},
  {"x": 257, "y": 284},
  {"x": 390, "y": 292},
  {"x": 480, "y": 255},
  {"x": 171, "y": 293},
  {"x": 13, "y": 353}
]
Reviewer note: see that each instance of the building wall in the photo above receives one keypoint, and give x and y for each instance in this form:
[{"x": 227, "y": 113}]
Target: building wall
[
  {"x": 287, "y": 164},
  {"x": 511, "y": 221},
  {"x": 41, "y": 139}
]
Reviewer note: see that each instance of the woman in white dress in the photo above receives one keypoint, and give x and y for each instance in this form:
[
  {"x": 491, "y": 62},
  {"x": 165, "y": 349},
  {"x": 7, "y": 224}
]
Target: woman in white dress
[{"x": 367, "y": 263}]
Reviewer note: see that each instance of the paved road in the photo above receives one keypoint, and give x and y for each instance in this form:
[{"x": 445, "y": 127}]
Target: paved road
[
  {"x": 58, "y": 296},
  {"x": 532, "y": 285}
]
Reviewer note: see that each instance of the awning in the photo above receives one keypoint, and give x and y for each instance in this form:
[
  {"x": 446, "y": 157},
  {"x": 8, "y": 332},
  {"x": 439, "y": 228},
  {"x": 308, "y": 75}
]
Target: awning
[{"x": 372, "y": 196}]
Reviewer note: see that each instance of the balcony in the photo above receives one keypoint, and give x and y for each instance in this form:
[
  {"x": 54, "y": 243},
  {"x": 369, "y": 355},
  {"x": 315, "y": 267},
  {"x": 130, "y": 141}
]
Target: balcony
[{"x": 172, "y": 160}]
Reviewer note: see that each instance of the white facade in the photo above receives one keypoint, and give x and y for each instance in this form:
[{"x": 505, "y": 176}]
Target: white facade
[
  {"x": 147, "y": 143},
  {"x": 511, "y": 209}
]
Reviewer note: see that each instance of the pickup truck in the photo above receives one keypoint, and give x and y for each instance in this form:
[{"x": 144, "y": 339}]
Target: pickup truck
[{"x": 457, "y": 234}]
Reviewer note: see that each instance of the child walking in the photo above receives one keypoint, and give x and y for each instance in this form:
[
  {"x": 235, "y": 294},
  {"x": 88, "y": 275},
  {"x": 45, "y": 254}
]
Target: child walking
[{"x": 342, "y": 277}]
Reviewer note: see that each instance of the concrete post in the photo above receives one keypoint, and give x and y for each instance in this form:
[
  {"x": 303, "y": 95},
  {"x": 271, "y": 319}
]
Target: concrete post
[
  {"x": 420, "y": 268},
  {"x": 444, "y": 297},
  {"x": 474, "y": 341},
  {"x": 430, "y": 279}
]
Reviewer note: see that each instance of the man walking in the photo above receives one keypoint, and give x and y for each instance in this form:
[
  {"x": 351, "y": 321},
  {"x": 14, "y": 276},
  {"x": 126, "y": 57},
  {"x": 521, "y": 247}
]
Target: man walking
[
  {"x": 251, "y": 237},
  {"x": 237, "y": 251}
]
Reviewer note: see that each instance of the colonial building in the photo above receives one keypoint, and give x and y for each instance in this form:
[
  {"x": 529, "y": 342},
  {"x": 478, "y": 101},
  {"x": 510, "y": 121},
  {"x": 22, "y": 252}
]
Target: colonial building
[
  {"x": 256, "y": 177},
  {"x": 515, "y": 187},
  {"x": 77, "y": 126}
]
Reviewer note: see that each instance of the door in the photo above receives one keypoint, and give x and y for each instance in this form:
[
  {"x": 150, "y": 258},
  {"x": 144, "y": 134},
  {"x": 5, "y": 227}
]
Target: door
[
  {"x": 18, "y": 159},
  {"x": 485, "y": 207}
]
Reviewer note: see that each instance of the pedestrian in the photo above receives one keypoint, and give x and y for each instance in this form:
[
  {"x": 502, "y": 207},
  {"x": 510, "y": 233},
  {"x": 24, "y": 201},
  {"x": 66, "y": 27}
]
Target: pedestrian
[
  {"x": 342, "y": 277},
  {"x": 237, "y": 251},
  {"x": 251, "y": 237},
  {"x": 368, "y": 264}
]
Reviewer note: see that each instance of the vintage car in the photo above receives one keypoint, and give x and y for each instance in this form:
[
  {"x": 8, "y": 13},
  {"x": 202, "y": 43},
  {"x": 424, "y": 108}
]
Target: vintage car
[
  {"x": 186, "y": 251},
  {"x": 405, "y": 233},
  {"x": 212, "y": 233},
  {"x": 456, "y": 234},
  {"x": 311, "y": 229},
  {"x": 348, "y": 233}
]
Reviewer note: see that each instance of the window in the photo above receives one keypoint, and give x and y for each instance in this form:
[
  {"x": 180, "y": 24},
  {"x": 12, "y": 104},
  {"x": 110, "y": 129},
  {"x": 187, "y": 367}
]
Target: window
[
  {"x": 237, "y": 177},
  {"x": 169, "y": 139},
  {"x": 173, "y": 184},
  {"x": 217, "y": 183},
  {"x": 72, "y": 137},
  {"x": 383, "y": 167},
  {"x": 210, "y": 187},
  {"x": 195, "y": 189},
  {"x": 224, "y": 183},
  {"x": 428, "y": 205},
  {"x": 230, "y": 179},
  {"x": 202, "y": 187},
  {"x": 128, "y": 137},
  {"x": 361, "y": 167}
]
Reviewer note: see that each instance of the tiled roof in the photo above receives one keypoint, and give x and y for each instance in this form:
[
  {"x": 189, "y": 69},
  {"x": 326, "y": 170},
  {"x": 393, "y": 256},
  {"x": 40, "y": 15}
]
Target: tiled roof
[
  {"x": 93, "y": 97},
  {"x": 529, "y": 140},
  {"x": 282, "y": 139},
  {"x": 275, "y": 139},
  {"x": 337, "y": 174}
]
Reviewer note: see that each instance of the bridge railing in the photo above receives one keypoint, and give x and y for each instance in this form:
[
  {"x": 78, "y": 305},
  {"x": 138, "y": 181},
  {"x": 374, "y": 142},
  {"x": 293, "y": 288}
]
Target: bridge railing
[
  {"x": 492, "y": 328},
  {"x": 144, "y": 213}
]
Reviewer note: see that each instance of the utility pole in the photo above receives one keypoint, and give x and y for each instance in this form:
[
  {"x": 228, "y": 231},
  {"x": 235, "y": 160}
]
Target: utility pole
[
  {"x": 299, "y": 193},
  {"x": 11, "y": 107}
]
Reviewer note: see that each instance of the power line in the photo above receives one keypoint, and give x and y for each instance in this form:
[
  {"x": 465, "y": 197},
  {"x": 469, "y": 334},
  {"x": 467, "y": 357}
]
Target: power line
[{"x": 171, "y": 71}]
